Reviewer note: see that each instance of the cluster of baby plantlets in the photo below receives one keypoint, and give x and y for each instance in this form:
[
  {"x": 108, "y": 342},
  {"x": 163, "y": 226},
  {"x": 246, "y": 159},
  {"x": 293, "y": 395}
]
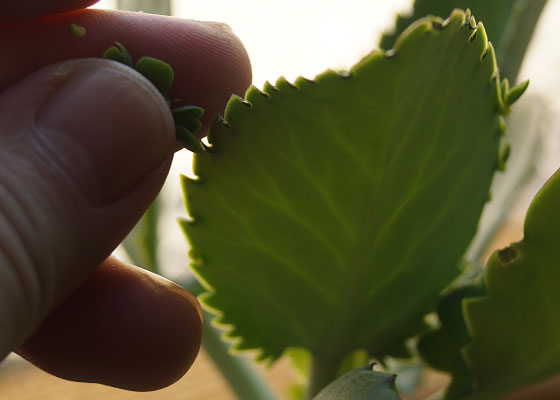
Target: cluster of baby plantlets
[{"x": 160, "y": 74}]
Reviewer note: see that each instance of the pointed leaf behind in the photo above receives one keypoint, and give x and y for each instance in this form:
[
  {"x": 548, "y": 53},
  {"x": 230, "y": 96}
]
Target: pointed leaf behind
[{"x": 516, "y": 329}]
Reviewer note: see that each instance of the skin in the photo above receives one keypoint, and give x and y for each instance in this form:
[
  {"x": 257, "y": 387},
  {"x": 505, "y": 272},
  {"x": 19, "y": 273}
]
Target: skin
[{"x": 73, "y": 184}]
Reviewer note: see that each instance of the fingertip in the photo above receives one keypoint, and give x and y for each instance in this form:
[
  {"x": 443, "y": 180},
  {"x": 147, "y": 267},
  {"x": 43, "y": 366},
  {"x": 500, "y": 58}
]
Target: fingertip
[{"x": 123, "y": 327}]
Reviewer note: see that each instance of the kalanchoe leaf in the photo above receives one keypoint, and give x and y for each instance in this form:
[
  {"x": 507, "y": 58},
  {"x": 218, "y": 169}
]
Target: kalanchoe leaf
[
  {"x": 77, "y": 30},
  {"x": 188, "y": 111},
  {"x": 118, "y": 53},
  {"x": 442, "y": 348},
  {"x": 361, "y": 384},
  {"x": 156, "y": 71},
  {"x": 346, "y": 192},
  {"x": 188, "y": 140},
  {"x": 515, "y": 93},
  {"x": 514, "y": 329},
  {"x": 189, "y": 117}
]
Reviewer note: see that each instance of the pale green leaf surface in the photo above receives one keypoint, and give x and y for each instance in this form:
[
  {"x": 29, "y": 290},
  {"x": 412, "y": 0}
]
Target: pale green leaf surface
[
  {"x": 361, "y": 384},
  {"x": 329, "y": 214},
  {"x": 516, "y": 329}
]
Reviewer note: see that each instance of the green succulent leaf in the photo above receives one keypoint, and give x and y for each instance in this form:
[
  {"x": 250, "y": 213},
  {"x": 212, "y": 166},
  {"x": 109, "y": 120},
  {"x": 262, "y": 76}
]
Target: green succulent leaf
[
  {"x": 515, "y": 329},
  {"x": 188, "y": 117},
  {"x": 156, "y": 71},
  {"x": 188, "y": 140},
  {"x": 329, "y": 214},
  {"x": 361, "y": 384},
  {"x": 442, "y": 348},
  {"x": 118, "y": 53}
]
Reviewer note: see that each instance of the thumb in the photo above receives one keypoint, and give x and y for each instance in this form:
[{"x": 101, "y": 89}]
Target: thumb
[{"x": 85, "y": 146}]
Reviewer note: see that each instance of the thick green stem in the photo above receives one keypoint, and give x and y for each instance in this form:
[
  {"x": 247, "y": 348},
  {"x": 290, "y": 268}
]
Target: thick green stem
[
  {"x": 324, "y": 370},
  {"x": 141, "y": 243}
]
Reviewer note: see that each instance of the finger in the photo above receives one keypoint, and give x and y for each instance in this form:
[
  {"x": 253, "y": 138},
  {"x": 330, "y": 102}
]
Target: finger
[
  {"x": 27, "y": 9},
  {"x": 210, "y": 63},
  {"x": 123, "y": 327},
  {"x": 85, "y": 146}
]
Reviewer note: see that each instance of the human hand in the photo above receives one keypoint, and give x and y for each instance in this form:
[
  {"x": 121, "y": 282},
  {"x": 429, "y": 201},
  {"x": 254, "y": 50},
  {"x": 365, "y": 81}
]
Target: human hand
[{"x": 85, "y": 146}]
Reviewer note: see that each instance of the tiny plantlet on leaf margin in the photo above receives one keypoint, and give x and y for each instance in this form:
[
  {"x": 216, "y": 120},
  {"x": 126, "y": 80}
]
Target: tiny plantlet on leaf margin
[
  {"x": 187, "y": 118},
  {"x": 161, "y": 75}
]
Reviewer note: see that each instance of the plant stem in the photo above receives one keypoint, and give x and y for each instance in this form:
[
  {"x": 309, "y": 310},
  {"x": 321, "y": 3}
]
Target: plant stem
[
  {"x": 324, "y": 369},
  {"x": 141, "y": 243},
  {"x": 245, "y": 382}
]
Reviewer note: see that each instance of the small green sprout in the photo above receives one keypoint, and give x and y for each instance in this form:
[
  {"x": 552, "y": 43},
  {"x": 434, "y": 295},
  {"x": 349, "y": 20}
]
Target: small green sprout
[
  {"x": 118, "y": 53},
  {"x": 515, "y": 93},
  {"x": 77, "y": 30},
  {"x": 187, "y": 118},
  {"x": 158, "y": 72}
]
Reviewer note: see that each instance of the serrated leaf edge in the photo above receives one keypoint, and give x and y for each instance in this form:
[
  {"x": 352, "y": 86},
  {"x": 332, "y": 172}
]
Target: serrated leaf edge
[{"x": 254, "y": 96}]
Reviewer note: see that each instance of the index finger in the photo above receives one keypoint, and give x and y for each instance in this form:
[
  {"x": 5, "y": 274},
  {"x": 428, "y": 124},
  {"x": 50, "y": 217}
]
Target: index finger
[{"x": 210, "y": 62}]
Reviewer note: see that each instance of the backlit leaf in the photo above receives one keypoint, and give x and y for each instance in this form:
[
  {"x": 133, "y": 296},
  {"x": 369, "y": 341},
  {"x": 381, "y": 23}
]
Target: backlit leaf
[
  {"x": 516, "y": 329},
  {"x": 329, "y": 214}
]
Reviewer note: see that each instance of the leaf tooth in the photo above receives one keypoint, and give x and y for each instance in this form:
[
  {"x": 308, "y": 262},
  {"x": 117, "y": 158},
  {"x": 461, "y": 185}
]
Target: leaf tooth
[
  {"x": 391, "y": 53},
  {"x": 283, "y": 84},
  {"x": 471, "y": 22},
  {"x": 505, "y": 87},
  {"x": 468, "y": 15},
  {"x": 503, "y": 155},
  {"x": 501, "y": 125},
  {"x": 254, "y": 96},
  {"x": 345, "y": 74},
  {"x": 269, "y": 89},
  {"x": 302, "y": 82}
]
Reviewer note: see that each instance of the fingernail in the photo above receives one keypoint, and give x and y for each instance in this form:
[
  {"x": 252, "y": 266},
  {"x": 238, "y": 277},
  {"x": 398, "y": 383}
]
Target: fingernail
[{"x": 107, "y": 127}]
